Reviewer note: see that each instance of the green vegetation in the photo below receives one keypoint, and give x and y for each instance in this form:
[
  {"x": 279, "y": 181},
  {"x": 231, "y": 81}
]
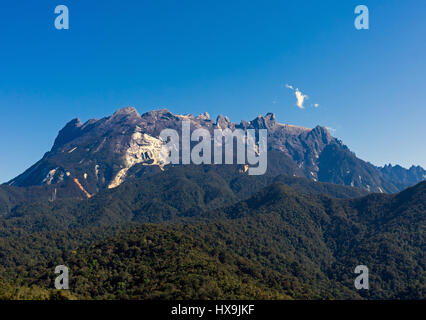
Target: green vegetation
[{"x": 189, "y": 234}]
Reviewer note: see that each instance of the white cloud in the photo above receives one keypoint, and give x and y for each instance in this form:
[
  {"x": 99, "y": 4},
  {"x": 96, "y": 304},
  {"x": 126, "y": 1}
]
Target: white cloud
[
  {"x": 332, "y": 130},
  {"x": 300, "y": 98}
]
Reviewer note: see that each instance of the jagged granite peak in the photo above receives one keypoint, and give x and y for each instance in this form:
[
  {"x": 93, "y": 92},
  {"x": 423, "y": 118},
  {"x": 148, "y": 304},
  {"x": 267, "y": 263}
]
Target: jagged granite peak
[
  {"x": 127, "y": 111},
  {"x": 128, "y": 116},
  {"x": 270, "y": 119},
  {"x": 403, "y": 177},
  {"x": 97, "y": 154},
  {"x": 204, "y": 116},
  {"x": 321, "y": 133},
  {"x": 153, "y": 122},
  {"x": 107, "y": 152},
  {"x": 266, "y": 122},
  {"x": 68, "y": 133},
  {"x": 222, "y": 122},
  {"x": 74, "y": 123},
  {"x": 158, "y": 112}
]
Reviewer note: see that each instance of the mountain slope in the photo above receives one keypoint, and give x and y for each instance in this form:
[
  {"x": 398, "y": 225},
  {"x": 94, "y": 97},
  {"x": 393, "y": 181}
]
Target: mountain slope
[
  {"x": 182, "y": 191},
  {"x": 278, "y": 243},
  {"x": 104, "y": 153},
  {"x": 401, "y": 177}
]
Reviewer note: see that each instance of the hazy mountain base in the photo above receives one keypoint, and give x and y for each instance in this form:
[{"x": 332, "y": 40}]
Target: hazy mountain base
[{"x": 278, "y": 244}]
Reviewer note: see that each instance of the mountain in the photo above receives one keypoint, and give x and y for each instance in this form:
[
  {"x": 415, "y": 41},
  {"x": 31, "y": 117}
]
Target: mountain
[
  {"x": 102, "y": 202},
  {"x": 401, "y": 177},
  {"x": 11, "y": 196},
  {"x": 104, "y": 153}
]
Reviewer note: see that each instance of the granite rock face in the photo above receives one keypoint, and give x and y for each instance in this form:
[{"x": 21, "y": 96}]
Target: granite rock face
[{"x": 104, "y": 153}]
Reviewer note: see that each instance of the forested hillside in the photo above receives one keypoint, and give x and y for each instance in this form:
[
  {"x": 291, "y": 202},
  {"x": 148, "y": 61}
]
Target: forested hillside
[{"x": 204, "y": 240}]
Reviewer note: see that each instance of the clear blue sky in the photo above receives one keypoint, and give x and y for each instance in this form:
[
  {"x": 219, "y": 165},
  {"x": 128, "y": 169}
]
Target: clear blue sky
[{"x": 229, "y": 57}]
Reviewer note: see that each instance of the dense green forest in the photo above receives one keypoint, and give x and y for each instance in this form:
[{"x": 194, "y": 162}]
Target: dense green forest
[{"x": 203, "y": 233}]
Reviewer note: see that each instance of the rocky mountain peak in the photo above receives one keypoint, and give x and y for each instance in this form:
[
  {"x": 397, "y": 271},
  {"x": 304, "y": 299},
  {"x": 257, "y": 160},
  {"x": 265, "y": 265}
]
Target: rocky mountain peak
[
  {"x": 264, "y": 122},
  {"x": 127, "y": 111},
  {"x": 204, "y": 116},
  {"x": 222, "y": 122},
  {"x": 158, "y": 114},
  {"x": 106, "y": 152},
  {"x": 322, "y": 133},
  {"x": 68, "y": 133},
  {"x": 270, "y": 116}
]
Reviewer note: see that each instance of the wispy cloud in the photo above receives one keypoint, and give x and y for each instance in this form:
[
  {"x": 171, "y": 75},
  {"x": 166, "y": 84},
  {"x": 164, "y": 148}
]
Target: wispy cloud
[
  {"x": 300, "y": 97},
  {"x": 332, "y": 130}
]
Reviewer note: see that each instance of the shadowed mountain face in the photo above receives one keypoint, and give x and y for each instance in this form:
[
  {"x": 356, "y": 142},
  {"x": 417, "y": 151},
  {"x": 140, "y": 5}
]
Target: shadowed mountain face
[
  {"x": 104, "y": 153},
  {"x": 182, "y": 191},
  {"x": 401, "y": 177}
]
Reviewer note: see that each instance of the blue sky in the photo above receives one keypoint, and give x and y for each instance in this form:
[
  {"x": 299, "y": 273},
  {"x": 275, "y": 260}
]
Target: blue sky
[{"x": 223, "y": 57}]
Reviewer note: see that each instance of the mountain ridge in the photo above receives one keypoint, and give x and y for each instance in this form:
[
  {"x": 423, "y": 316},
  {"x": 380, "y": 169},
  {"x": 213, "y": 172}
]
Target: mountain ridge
[{"x": 103, "y": 153}]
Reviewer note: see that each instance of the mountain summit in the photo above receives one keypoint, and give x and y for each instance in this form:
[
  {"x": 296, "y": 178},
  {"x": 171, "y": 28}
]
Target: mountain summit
[{"x": 104, "y": 153}]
